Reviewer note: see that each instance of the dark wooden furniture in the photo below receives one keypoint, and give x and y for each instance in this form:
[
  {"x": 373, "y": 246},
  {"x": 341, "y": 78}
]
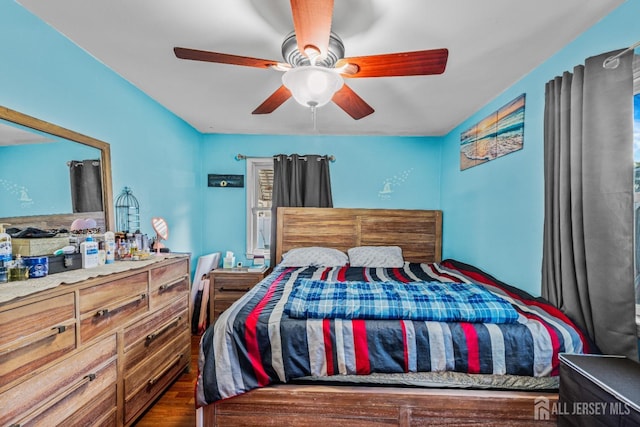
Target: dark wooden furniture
[
  {"x": 598, "y": 390},
  {"x": 227, "y": 285},
  {"x": 97, "y": 352},
  {"x": 419, "y": 234}
]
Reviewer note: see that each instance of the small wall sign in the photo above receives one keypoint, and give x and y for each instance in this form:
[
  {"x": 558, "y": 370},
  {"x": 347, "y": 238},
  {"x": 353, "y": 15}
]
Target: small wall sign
[{"x": 215, "y": 180}]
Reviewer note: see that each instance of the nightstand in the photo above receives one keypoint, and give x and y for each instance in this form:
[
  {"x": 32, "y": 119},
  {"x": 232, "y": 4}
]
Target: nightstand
[
  {"x": 598, "y": 390},
  {"x": 227, "y": 285}
]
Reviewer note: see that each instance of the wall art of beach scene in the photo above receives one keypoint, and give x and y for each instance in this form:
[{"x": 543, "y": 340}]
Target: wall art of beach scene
[{"x": 497, "y": 135}]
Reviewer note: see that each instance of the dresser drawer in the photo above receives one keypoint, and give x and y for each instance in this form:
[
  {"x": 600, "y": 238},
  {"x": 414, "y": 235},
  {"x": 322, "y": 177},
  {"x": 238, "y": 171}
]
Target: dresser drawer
[
  {"x": 235, "y": 282},
  {"x": 34, "y": 335},
  {"x": 169, "y": 273},
  {"x": 229, "y": 286},
  {"x": 54, "y": 395},
  {"x": 107, "y": 306},
  {"x": 162, "y": 294},
  {"x": 150, "y": 378},
  {"x": 152, "y": 333},
  {"x": 223, "y": 300},
  {"x": 101, "y": 412}
]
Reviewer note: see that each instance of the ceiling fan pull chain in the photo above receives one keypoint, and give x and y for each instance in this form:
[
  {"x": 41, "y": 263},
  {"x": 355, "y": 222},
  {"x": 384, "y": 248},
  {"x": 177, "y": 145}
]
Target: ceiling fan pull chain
[{"x": 313, "y": 117}]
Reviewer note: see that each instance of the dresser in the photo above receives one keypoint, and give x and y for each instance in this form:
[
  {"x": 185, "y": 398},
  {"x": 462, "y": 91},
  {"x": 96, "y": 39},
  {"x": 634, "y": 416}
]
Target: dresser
[
  {"x": 227, "y": 285},
  {"x": 97, "y": 352}
]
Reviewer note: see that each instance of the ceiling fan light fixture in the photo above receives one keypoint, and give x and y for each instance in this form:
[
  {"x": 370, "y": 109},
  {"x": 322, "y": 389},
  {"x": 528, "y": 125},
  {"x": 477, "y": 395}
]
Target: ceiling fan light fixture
[{"x": 312, "y": 86}]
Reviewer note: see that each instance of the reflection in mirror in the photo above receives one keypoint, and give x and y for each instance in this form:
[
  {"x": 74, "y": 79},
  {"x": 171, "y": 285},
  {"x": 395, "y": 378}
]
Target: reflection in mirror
[
  {"x": 36, "y": 175},
  {"x": 42, "y": 174},
  {"x": 86, "y": 185},
  {"x": 162, "y": 232}
]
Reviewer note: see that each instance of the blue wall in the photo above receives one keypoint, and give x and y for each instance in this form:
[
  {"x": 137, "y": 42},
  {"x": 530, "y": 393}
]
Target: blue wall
[
  {"x": 493, "y": 213},
  {"x": 43, "y": 74},
  {"x": 363, "y": 164}
]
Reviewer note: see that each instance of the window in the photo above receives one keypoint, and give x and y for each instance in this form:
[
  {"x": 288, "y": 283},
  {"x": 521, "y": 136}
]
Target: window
[
  {"x": 636, "y": 183},
  {"x": 259, "y": 188}
]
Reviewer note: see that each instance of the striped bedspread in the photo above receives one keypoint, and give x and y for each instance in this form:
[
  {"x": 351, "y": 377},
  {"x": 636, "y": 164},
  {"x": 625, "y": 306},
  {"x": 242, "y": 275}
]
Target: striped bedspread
[
  {"x": 440, "y": 302},
  {"x": 254, "y": 343}
]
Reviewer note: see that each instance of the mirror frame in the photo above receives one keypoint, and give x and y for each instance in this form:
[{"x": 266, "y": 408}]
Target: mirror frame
[{"x": 105, "y": 152}]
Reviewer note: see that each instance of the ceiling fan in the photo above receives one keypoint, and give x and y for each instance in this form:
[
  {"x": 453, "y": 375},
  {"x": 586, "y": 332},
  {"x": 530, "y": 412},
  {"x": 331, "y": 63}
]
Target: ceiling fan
[{"x": 315, "y": 64}]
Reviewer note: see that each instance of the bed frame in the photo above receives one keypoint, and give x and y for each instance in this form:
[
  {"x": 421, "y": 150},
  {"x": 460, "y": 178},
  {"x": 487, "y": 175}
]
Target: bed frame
[{"x": 419, "y": 234}]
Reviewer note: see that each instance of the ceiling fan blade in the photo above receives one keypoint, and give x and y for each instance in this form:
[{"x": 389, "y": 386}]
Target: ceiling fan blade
[
  {"x": 223, "y": 58},
  {"x": 418, "y": 63},
  {"x": 275, "y": 100},
  {"x": 351, "y": 103},
  {"x": 312, "y": 24}
]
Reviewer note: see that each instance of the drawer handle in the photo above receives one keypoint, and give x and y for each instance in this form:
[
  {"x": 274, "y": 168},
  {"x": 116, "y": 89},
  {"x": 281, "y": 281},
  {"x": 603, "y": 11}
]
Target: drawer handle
[
  {"x": 165, "y": 369},
  {"x": 167, "y": 286},
  {"x": 162, "y": 329},
  {"x": 223, "y": 289},
  {"x": 57, "y": 397},
  {"x": 119, "y": 305},
  {"x": 32, "y": 339}
]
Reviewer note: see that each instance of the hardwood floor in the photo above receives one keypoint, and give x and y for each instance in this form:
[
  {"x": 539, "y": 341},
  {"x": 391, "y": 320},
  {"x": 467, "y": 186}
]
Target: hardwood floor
[{"x": 176, "y": 407}]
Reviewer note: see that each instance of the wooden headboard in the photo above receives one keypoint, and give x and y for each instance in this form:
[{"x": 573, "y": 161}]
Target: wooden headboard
[{"x": 417, "y": 232}]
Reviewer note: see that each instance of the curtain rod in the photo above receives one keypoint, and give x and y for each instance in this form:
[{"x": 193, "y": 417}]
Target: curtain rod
[
  {"x": 613, "y": 61},
  {"x": 79, "y": 162},
  {"x": 331, "y": 157}
]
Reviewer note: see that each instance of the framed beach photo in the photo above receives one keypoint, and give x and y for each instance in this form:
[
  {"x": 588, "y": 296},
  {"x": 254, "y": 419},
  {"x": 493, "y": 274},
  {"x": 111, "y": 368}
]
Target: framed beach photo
[{"x": 498, "y": 134}]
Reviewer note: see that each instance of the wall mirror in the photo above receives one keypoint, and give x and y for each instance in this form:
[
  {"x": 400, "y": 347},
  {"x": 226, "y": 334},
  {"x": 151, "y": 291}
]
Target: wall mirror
[{"x": 37, "y": 185}]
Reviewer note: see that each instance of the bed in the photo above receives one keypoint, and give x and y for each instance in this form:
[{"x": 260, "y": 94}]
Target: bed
[{"x": 265, "y": 362}]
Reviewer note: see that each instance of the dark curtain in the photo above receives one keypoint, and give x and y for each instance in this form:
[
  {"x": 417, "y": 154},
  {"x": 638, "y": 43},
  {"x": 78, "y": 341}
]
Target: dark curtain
[
  {"x": 299, "y": 181},
  {"x": 86, "y": 185},
  {"x": 588, "y": 256}
]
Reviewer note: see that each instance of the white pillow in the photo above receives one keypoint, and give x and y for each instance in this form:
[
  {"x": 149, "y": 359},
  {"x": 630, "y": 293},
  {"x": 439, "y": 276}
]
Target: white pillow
[
  {"x": 314, "y": 256},
  {"x": 376, "y": 256}
]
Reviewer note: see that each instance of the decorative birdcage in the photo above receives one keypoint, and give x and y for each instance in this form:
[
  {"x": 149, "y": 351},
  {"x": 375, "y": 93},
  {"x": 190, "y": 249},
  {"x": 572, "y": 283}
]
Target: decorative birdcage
[{"x": 127, "y": 212}]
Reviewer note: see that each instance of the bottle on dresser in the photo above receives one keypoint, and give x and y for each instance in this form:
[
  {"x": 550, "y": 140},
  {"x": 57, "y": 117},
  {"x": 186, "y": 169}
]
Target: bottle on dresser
[
  {"x": 89, "y": 252},
  {"x": 110, "y": 247}
]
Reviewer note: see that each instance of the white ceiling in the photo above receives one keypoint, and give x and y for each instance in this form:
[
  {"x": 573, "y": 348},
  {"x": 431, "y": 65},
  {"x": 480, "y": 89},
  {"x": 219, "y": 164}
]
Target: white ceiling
[
  {"x": 11, "y": 135},
  {"x": 492, "y": 44}
]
